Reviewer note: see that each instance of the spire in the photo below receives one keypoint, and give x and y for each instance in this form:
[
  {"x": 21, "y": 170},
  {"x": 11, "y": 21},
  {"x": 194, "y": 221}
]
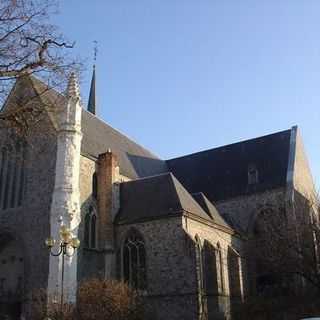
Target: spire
[{"x": 92, "y": 94}]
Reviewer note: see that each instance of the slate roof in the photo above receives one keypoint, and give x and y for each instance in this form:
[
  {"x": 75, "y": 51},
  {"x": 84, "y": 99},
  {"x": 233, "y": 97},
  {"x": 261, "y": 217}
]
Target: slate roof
[
  {"x": 208, "y": 207},
  {"x": 222, "y": 173},
  {"x": 155, "y": 197},
  {"x": 134, "y": 160}
]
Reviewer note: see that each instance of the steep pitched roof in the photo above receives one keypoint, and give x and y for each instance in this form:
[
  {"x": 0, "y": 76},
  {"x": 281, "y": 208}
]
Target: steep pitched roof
[
  {"x": 222, "y": 173},
  {"x": 208, "y": 207},
  {"x": 134, "y": 160},
  {"x": 155, "y": 197}
]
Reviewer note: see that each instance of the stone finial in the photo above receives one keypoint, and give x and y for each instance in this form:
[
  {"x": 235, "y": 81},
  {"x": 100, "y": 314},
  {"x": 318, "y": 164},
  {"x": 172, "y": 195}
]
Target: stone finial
[{"x": 73, "y": 90}]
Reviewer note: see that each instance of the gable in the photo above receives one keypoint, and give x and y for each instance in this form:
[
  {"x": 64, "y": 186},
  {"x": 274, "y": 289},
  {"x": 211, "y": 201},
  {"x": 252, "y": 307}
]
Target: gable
[{"x": 156, "y": 197}]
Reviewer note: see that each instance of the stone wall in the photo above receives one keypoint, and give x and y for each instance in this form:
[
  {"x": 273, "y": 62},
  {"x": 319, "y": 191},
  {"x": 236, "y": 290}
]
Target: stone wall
[
  {"x": 241, "y": 212},
  {"x": 302, "y": 179},
  {"x": 170, "y": 268},
  {"x": 29, "y": 224},
  {"x": 90, "y": 261},
  {"x": 217, "y": 305}
]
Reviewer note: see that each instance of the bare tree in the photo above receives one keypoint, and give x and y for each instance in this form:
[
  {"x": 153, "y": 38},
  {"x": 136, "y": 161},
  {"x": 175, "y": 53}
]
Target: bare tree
[
  {"x": 30, "y": 45},
  {"x": 285, "y": 246}
]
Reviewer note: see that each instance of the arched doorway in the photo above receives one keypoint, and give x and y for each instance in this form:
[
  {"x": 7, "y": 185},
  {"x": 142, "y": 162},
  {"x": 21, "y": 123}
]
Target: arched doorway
[{"x": 11, "y": 277}]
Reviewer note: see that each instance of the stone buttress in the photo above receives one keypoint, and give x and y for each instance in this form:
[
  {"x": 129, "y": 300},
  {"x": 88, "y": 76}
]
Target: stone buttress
[{"x": 65, "y": 207}]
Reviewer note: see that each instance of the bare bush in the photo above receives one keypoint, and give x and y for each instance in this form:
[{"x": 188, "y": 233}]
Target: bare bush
[
  {"x": 100, "y": 299},
  {"x": 44, "y": 307}
]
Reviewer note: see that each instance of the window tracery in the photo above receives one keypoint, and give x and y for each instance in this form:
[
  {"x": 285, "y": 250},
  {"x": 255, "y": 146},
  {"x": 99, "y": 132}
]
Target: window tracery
[
  {"x": 12, "y": 175},
  {"x": 134, "y": 261}
]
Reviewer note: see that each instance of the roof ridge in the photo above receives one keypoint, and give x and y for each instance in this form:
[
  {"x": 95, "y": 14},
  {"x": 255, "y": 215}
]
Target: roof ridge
[
  {"x": 229, "y": 145},
  {"x": 119, "y": 132},
  {"x": 146, "y": 178},
  {"x": 213, "y": 211},
  {"x": 178, "y": 186},
  {"x": 35, "y": 81}
]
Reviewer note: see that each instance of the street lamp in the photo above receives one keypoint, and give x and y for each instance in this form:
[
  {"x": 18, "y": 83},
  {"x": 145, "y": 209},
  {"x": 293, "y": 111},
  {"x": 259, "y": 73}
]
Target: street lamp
[{"x": 67, "y": 245}]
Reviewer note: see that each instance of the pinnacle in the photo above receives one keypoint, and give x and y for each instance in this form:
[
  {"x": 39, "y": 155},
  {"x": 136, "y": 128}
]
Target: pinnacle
[{"x": 73, "y": 90}]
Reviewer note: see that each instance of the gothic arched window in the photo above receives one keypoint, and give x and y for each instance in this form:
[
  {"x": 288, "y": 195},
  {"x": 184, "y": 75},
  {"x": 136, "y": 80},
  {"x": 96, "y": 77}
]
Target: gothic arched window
[
  {"x": 93, "y": 234},
  {"x": 90, "y": 229},
  {"x": 200, "y": 282},
  {"x": 220, "y": 267},
  {"x": 11, "y": 175},
  {"x": 134, "y": 261},
  {"x": 94, "y": 186},
  {"x": 210, "y": 269},
  {"x": 234, "y": 267}
]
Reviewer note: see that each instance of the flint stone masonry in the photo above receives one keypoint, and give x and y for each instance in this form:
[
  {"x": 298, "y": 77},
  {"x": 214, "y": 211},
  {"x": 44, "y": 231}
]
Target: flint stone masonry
[
  {"x": 90, "y": 261},
  {"x": 170, "y": 277},
  {"x": 303, "y": 181},
  {"x": 172, "y": 287},
  {"x": 241, "y": 212},
  {"x": 58, "y": 183},
  {"x": 22, "y": 224}
]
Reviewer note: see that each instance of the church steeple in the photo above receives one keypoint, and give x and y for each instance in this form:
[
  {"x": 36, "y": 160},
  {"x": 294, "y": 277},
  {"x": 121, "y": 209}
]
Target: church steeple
[{"x": 92, "y": 95}]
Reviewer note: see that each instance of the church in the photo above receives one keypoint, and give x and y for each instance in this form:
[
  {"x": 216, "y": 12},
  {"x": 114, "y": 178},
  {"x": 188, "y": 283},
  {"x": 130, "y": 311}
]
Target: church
[{"x": 175, "y": 229}]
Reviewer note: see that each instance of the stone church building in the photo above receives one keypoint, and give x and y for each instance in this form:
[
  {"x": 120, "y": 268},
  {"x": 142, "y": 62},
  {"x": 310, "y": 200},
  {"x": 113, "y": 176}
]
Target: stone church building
[{"x": 174, "y": 229}]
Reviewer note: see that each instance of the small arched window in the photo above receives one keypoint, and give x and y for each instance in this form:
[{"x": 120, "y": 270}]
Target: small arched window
[
  {"x": 90, "y": 229},
  {"x": 234, "y": 271},
  {"x": 134, "y": 261},
  {"x": 93, "y": 231},
  {"x": 94, "y": 186},
  {"x": 210, "y": 269},
  {"x": 220, "y": 268},
  {"x": 200, "y": 282},
  {"x": 253, "y": 174}
]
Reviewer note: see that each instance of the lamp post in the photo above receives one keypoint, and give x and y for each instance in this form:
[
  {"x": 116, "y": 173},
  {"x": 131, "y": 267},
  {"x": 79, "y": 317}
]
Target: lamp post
[{"x": 67, "y": 245}]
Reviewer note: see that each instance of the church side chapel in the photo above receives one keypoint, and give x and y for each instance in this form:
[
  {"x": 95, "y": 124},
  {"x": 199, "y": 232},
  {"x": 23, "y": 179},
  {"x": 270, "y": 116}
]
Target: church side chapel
[{"x": 175, "y": 229}]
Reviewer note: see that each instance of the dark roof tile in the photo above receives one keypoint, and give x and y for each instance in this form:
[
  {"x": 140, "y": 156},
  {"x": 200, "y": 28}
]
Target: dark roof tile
[
  {"x": 156, "y": 197},
  {"x": 222, "y": 173}
]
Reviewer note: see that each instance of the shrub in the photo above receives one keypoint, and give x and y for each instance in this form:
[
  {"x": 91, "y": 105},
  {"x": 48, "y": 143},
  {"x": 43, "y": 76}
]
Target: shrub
[{"x": 100, "y": 299}]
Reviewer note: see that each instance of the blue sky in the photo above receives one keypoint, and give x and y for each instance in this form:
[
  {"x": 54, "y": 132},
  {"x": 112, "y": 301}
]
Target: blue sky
[{"x": 180, "y": 76}]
